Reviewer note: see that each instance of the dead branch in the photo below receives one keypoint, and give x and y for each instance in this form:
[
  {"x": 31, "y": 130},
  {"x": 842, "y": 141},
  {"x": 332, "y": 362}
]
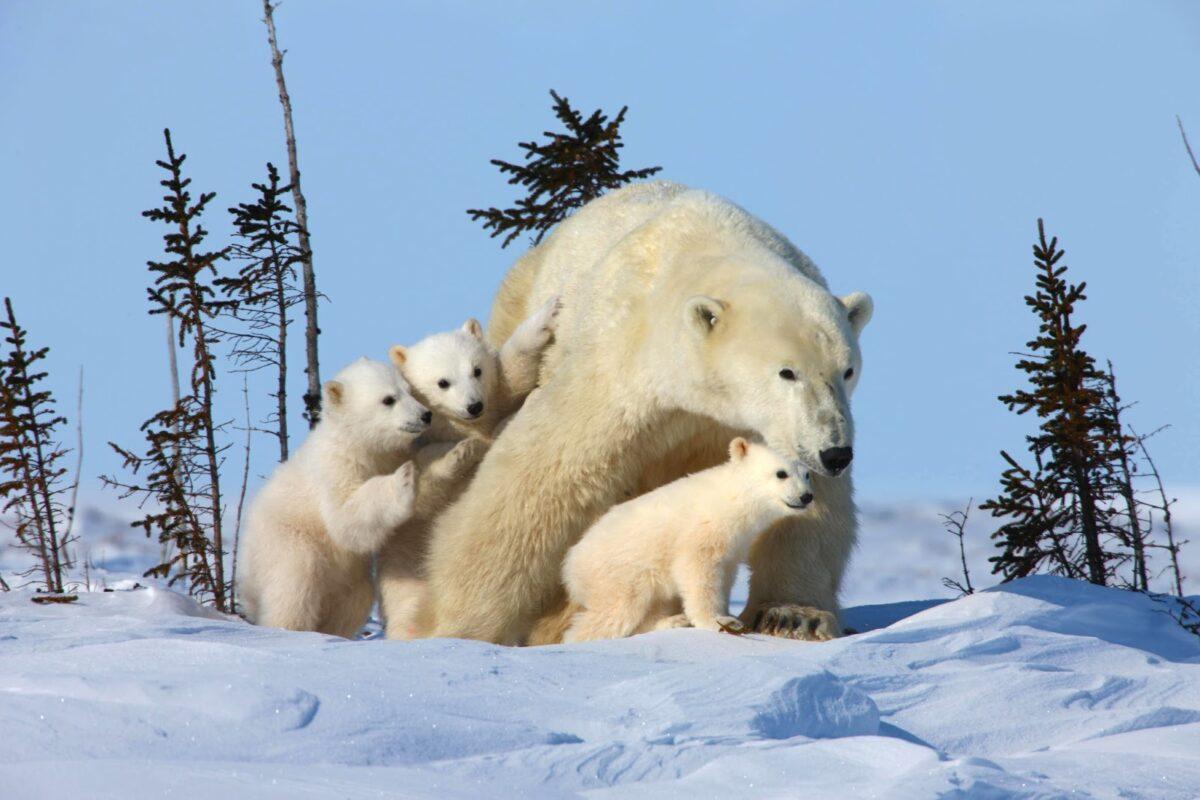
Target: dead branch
[{"x": 312, "y": 397}]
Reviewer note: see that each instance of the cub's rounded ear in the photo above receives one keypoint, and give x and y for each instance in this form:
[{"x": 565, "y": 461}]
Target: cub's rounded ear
[
  {"x": 473, "y": 327},
  {"x": 738, "y": 449},
  {"x": 334, "y": 392},
  {"x": 398, "y": 354},
  {"x": 703, "y": 313},
  {"x": 859, "y": 308}
]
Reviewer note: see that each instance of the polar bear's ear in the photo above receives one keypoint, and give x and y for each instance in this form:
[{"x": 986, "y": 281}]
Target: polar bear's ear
[
  {"x": 738, "y": 449},
  {"x": 335, "y": 393},
  {"x": 398, "y": 353},
  {"x": 859, "y": 308},
  {"x": 704, "y": 312},
  {"x": 473, "y": 327}
]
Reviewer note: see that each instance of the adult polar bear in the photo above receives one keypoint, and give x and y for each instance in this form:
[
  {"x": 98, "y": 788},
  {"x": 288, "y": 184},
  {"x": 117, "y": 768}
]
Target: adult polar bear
[{"x": 685, "y": 321}]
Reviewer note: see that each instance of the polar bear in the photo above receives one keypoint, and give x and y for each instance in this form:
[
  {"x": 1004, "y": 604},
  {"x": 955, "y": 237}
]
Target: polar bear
[
  {"x": 668, "y": 558},
  {"x": 470, "y": 386},
  {"x": 685, "y": 321},
  {"x": 313, "y": 529}
]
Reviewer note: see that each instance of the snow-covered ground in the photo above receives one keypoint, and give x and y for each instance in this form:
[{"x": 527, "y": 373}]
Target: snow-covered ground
[
  {"x": 1041, "y": 688},
  {"x": 1044, "y": 688}
]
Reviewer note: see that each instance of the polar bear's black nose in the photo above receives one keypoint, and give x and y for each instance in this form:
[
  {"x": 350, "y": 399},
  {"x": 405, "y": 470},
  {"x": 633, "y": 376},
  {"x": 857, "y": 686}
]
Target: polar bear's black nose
[
  {"x": 836, "y": 459},
  {"x": 475, "y": 409},
  {"x": 427, "y": 417}
]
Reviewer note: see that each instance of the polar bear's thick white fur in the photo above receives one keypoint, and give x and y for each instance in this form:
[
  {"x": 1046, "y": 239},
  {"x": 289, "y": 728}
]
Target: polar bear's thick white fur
[
  {"x": 685, "y": 321},
  {"x": 471, "y": 388},
  {"x": 669, "y": 557},
  {"x": 312, "y": 531}
]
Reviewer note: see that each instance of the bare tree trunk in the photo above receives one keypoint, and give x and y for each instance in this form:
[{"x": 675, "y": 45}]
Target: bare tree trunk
[
  {"x": 1172, "y": 546},
  {"x": 67, "y": 537},
  {"x": 172, "y": 361},
  {"x": 237, "y": 531},
  {"x": 281, "y": 428},
  {"x": 312, "y": 397}
]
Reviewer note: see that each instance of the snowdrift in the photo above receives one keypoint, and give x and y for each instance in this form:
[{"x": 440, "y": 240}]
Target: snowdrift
[{"x": 1041, "y": 688}]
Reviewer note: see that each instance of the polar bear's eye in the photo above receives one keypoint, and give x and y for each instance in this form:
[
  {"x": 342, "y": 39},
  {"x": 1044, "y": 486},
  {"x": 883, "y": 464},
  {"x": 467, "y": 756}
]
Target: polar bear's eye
[
  {"x": 478, "y": 372},
  {"x": 443, "y": 384},
  {"x": 781, "y": 475},
  {"x": 848, "y": 374},
  {"x": 787, "y": 374},
  {"x": 390, "y": 400}
]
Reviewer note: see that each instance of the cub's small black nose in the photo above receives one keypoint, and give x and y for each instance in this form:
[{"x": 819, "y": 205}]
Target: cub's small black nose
[
  {"x": 806, "y": 498},
  {"x": 427, "y": 417},
  {"x": 475, "y": 409},
  {"x": 836, "y": 459}
]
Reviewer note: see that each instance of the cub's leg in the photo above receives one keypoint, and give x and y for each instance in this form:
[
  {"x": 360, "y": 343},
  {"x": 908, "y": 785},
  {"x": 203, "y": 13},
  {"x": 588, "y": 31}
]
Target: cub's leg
[
  {"x": 521, "y": 354},
  {"x": 291, "y": 590},
  {"x": 350, "y": 607},
  {"x": 615, "y": 617},
  {"x": 704, "y": 587}
]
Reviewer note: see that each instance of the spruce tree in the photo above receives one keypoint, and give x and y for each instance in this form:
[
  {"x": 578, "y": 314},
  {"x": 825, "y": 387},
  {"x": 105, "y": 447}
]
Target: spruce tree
[
  {"x": 1061, "y": 511},
  {"x": 31, "y": 477},
  {"x": 562, "y": 173},
  {"x": 182, "y": 461},
  {"x": 264, "y": 291}
]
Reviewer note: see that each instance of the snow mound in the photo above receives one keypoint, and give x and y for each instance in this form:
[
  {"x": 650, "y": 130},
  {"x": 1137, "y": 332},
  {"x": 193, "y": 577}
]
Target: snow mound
[{"x": 1040, "y": 688}]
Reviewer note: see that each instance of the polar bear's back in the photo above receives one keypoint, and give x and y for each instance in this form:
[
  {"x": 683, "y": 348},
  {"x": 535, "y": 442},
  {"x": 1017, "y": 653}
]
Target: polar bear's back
[{"x": 576, "y": 261}]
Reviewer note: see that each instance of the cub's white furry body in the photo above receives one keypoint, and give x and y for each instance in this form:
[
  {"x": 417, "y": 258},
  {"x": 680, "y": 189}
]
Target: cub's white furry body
[
  {"x": 669, "y": 557},
  {"x": 313, "y": 529}
]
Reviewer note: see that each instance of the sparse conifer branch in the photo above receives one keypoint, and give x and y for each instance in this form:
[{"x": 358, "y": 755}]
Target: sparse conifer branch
[
  {"x": 180, "y": 471},
  {"x": 30, "y": 455},
  {"x": 1163, "y": 506},
  {"x": 312, "y": 397},
  {"x": 561, "y": 174},
  {"x": 956, "y": 523},
  {"x": 264, "y": 291}
]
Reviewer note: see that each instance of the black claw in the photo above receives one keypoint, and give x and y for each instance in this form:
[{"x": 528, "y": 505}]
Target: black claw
[{"x": 758, "y": 618}]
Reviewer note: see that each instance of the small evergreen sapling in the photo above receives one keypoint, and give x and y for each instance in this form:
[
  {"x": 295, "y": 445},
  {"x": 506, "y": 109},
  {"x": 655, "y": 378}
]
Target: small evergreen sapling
[
  {"x": 561, "y": 174},
  {"x": 31, "y": 478},
  {"x": 1076, "y": 511},
  {"x": 264, "y": 291},
  {"x": 182, "y": 461}
]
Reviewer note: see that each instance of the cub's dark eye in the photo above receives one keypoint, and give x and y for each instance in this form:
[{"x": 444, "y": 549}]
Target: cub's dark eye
[
  {"x": 478, "y": 372},
  {"x": 848, "y": 374},
  {"x": 389, "y": 400},
  {"x": 443, "y": 384},
  {"x": 787, "y": 374},
  {"x": 781, "y": 474}
]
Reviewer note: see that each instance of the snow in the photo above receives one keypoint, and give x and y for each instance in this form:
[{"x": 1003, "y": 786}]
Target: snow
[{"x": 1042, "y": 688}]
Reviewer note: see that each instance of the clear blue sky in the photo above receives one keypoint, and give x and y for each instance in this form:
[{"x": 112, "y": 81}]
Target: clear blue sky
[{"x": 908, "y": 148}]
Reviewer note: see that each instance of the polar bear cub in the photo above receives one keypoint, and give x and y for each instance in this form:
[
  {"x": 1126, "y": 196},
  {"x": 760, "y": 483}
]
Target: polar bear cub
[
  {"x": 471, "y": 387},
  {"x": 313, "y": 529},
  {"x": 680, "y": 545}
]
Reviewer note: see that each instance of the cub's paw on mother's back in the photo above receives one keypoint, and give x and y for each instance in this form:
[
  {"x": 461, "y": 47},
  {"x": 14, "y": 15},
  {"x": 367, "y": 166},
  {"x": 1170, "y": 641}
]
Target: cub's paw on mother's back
[{"x": 792, "y": 622}]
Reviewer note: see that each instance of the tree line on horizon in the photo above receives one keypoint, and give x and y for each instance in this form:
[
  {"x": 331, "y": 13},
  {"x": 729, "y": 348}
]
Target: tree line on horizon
[{"x": 1086, "y": 501}]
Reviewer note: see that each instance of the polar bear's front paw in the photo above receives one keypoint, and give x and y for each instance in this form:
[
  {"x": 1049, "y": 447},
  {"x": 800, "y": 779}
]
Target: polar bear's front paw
[
  {"x": 672, "y": 622},
  {"x": 468, "y": 453},
  {"x": 405, "y": 478},
  {"x": 535, "y": 332},
  {"x": 793, "y": 622}
]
